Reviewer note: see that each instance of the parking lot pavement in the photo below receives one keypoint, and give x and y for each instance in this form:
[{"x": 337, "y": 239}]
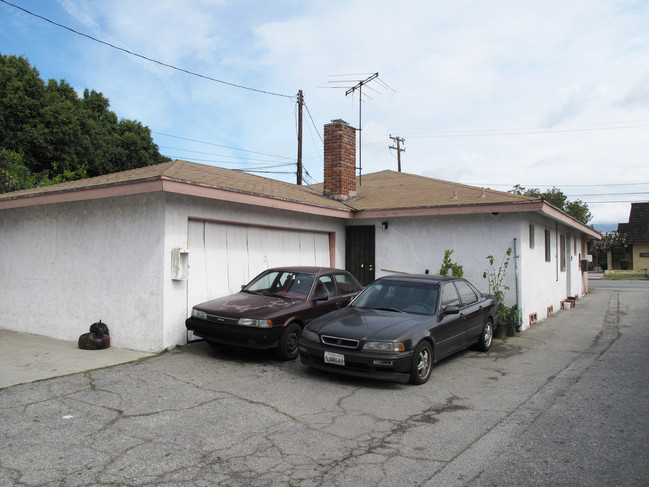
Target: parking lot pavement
[
  {"x": 202, "y": 416},
  {"x": 28, "y": 358}
]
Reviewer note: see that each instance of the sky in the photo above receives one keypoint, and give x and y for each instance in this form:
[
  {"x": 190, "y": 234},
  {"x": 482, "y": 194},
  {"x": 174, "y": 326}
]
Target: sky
[{"x": 491, "y": 94}]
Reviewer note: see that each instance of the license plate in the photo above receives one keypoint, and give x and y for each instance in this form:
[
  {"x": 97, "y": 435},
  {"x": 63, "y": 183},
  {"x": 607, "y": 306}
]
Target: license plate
[{"x": 334, "y": 358}]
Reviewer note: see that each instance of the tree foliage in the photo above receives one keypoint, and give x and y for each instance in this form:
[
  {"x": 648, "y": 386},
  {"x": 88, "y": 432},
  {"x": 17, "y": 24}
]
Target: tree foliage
[
  {"x": 576, "y": 209},
  {"x": 49, "y": 134}
]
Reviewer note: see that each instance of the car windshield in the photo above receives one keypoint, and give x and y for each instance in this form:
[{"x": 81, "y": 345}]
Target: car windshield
[
  {"x": 399, "y": 296},
  {"x": 294, "y": 285}
]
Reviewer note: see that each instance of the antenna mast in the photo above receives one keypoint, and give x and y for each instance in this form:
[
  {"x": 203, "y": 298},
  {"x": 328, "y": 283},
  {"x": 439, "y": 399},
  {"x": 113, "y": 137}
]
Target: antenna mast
[{"x": 359, "y": 87}]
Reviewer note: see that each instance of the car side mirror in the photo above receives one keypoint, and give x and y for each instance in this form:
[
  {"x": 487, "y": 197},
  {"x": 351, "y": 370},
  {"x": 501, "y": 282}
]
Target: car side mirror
[
  {"x": 450, "y": 310},
  {"x": 321, "y": 297}
]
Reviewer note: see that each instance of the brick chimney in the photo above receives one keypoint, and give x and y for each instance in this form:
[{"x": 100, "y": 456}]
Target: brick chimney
[{"x": 339, "y": 160}]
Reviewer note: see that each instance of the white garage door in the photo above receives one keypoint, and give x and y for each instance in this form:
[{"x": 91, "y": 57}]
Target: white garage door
[{"x": 223, "y": 257}]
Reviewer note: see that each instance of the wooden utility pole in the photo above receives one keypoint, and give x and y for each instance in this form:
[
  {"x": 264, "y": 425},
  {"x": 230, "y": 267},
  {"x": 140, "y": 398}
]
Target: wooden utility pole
[
  {"x": 300, "y": 102},
  {"x": 398, "y": 148}
]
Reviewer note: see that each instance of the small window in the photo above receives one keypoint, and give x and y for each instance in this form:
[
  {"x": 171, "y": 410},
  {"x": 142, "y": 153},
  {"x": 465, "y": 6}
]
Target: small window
[
  {"x": 531, "y": 236},
  {"x": 562, "y": 252},
  {"x": 548, "y": 247},
  {"x": 467, "y": 295},
  {"x": 345, "y": 284},
  {"x": 449, "y": 295},
  {"x": 575, "y": 246},
  {"x": 326, "y": 283}
]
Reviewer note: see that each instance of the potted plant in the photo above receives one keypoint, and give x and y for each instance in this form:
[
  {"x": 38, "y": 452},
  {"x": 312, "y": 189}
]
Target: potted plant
[
  {"x": 509, "y": 319},
  {"x": 508, "y": 315}
]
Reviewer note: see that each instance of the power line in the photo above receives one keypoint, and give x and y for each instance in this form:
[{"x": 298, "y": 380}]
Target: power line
[
  {"x": 219, "y": 155},
  {"x": 219, "y": 145},
  {"x": 145, "y": 57},
  {"x": 530, "y": 131},
  {"x": 557, "y": 185}
]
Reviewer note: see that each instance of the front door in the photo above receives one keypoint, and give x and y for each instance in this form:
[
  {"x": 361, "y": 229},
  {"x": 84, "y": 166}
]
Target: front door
[{"x": 359, "y": 253}]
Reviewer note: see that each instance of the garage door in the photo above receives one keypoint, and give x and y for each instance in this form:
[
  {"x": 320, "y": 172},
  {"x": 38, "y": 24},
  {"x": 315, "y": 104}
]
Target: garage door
[{"x": 223, "y": 257}]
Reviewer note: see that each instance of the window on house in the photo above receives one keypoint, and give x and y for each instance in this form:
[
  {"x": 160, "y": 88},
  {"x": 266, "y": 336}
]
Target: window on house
[
  {"x": 531, "y": 236},
  {"x": 548, "y": 247},
  {"x": 562, "y": 252},
  {"x": 575, "y": 247}
]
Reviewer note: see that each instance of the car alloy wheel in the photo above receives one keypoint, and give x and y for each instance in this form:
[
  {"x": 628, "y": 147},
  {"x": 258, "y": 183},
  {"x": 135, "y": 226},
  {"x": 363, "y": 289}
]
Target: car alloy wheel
[
  {"x": 422, "y": 363},
  {"x": 486, "y": 337}
]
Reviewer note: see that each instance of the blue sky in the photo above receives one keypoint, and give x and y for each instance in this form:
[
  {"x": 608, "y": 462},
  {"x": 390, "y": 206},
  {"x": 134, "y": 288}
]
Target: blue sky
[{"x": 498, "y": 93}]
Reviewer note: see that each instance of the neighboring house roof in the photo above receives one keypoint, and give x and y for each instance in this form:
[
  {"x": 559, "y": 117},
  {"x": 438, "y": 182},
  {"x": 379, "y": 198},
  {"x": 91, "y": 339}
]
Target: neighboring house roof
[
  {"x": 381, "y": 194},
  {"x": 637, "y": 230}
]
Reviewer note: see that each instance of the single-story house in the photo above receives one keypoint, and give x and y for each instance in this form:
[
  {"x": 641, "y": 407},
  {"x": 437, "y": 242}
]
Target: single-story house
[
  {"x": 137, "y": 249},
  {"x": 634, "y": 255}
]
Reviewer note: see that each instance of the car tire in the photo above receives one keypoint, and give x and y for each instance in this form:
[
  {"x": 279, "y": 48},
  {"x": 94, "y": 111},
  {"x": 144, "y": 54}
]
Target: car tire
[
  {"x": 486, "y": 336},
  {"x": 422, "y": 363},
  {"x": 287, "y": 348}
]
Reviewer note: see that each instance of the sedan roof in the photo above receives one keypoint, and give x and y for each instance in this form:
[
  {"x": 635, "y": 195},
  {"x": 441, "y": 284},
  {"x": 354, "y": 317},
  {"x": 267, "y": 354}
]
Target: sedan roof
[
  {"x": 307, "y": 269},
  {"x": 419, "y": 277}
]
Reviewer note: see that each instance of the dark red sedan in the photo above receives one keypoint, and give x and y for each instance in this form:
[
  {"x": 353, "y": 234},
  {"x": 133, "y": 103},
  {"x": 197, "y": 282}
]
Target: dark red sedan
[{"x": 271, "y": 311}]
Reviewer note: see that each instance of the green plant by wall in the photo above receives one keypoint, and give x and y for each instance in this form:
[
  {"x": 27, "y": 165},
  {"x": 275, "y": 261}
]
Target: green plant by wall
[
  {"x": 448, "y": 265},
  {"x": 495, "y": 277}
]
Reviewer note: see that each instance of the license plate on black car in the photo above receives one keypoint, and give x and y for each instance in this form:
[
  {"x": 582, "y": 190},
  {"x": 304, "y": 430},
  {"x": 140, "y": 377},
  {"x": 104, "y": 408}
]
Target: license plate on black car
[{"x": 334, "y": 358}]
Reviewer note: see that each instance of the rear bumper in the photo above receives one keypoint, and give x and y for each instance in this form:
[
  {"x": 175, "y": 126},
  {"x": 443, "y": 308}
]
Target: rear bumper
[
  {"x": 238, "y": 336},
  {"x": 358, "y": 364}
]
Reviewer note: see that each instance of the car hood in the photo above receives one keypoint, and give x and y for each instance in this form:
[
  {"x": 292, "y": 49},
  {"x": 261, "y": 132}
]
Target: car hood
[
  {"x": 246, "y": 305},
  {"x": 367, "y": 324}
]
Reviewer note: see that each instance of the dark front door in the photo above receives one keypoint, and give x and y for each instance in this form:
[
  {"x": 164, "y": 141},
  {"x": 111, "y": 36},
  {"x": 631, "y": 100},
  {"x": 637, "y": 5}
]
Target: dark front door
[{"x": 359, "y": 253}]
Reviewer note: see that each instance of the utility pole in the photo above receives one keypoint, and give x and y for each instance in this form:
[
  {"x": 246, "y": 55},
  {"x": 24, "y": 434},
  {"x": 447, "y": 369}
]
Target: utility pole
[
  {"x": 359, "y": 87},
  {"x": 398, "y": 148},
  {"x": 300, "y": 102}
]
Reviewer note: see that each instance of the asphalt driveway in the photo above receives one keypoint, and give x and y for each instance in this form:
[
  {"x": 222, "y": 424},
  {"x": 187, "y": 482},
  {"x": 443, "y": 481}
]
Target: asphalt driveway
[{"x": 538, "y": 409}]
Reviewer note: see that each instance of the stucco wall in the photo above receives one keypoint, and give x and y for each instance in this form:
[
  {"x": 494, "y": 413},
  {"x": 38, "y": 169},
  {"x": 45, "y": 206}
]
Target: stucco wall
[
  {"x": 414, "y": 245},
  {"x": 65, "y": 266}
]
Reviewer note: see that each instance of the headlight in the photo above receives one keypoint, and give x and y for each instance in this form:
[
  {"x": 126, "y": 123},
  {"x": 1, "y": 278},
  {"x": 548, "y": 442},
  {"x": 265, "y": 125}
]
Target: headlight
[
  {"x": 310, "y": 335},
  {"x": 255, "y": 323},
  {"x": 199, "y": 314},
  {"x": 384, "y": 346}
]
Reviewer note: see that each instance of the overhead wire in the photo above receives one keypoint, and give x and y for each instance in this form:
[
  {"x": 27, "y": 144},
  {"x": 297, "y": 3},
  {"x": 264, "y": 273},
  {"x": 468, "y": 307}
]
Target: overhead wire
[{"x": 146, "y": 58}]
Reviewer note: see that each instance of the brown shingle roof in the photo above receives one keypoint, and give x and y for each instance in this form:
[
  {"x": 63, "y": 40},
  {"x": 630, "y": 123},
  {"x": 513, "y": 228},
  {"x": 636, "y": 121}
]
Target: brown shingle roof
[
  {"x": 191, "y": 173},
  {"x": 396, "y": 190},
  {"x": 637, "y": 230},
  {"x": 377, "y": 191}
]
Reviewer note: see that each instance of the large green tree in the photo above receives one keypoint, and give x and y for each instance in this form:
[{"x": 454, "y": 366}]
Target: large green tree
[
  {"x": 576, "y": 209},
  {"x": 49, "y": 134}
]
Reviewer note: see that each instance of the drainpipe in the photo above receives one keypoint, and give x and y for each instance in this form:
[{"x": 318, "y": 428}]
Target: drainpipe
[{"x": 518, "y": 300}]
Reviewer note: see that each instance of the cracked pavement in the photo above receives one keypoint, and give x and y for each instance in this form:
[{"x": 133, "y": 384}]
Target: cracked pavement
[{"x": 199, "y": 415}]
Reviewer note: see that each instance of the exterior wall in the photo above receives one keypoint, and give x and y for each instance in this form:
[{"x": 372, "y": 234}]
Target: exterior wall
[
  {"x": 65, "y": 266},
  {"x": 178, "y": 211},
  {"x": 640, "y": 263},
  {"x": 545, "y": 284},
  {"x": 415, "y": 245}
]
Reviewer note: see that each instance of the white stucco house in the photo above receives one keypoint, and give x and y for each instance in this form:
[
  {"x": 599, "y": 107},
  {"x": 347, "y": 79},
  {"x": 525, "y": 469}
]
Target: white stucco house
[{"x": 137, "y": 249}]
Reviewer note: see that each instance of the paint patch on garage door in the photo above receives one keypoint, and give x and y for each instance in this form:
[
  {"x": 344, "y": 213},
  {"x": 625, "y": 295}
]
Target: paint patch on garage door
[{"x": 224, "y": 256}]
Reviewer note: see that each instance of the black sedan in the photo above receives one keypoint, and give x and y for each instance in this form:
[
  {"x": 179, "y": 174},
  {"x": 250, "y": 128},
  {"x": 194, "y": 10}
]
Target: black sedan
[
  {"x": 399, "y": 326},
  {"x": 272, "y": 309}
]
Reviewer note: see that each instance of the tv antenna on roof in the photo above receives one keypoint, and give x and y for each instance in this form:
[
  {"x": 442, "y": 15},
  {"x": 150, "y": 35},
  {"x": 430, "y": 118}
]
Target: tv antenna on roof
[{"x": 359, "y": 86}]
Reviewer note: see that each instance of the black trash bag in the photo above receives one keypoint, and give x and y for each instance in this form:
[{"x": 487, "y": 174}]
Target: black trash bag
[
  {"x": 99, "y": 329},
  {"x": 97, "y": 339}
]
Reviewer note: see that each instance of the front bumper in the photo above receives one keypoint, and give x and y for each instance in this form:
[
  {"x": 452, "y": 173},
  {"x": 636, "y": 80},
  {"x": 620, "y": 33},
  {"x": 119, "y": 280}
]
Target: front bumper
[
  {"x": 358, "y": 363},
  {"x": 235, "y": 335}
]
